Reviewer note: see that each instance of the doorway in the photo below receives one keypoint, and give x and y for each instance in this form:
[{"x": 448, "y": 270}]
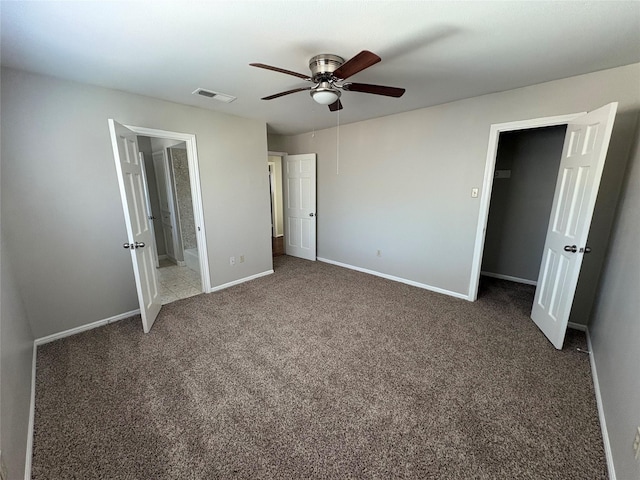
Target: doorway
[
  {"x": 274, "y": 164},
  {"x": 489, "y": 179},
  {"x": 582, "y": 161},
  {"x": 525, "y": 175},
  {"x": 187, "y": 141},
  {"x": 172, "y": 215}
]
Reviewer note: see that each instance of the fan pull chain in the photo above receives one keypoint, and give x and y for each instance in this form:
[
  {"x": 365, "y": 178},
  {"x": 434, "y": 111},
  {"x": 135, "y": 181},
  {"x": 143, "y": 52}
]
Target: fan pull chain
[{"x": 338, "y": 146}]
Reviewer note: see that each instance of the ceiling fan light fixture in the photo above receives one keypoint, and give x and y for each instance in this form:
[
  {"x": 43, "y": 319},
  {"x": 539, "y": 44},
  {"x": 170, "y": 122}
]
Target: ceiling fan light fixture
[{"x": 325, "y": 94}]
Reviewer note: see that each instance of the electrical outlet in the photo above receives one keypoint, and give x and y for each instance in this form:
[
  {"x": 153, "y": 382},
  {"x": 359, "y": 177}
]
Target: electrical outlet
[
  {"x": 241, "y": 258},
  {"x": 379, "y": 253},
  {"x": 232, "y": 260},
  {"x": 636, "y": 444},
  {"x": 474, "y": 192}
]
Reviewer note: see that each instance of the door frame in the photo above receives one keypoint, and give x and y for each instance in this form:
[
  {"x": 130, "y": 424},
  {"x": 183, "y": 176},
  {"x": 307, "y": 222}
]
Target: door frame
[
  {"x": 196, "y": 193},
  {"x": 487, "y": 185}
]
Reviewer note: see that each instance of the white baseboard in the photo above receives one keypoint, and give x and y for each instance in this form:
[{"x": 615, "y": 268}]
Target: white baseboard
[
  {"x": 161, "y": 257},
  {"x": 603, "y": 424},
  {"x": 238, "y": 282},
  {"x": 396, "y": 279},
  {"x": 32, "y": 414},
  {"x": 510, "y": 278},
  {"x": 577, "y": 326},
  {"x": 82, "y": 328}
]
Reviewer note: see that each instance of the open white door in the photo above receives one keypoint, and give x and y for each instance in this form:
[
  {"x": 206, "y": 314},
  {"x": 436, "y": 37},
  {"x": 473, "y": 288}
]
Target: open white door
[
  {"x": 131, "y": 181},
  {"x": 583, "y": 156},
  {"x": 300, "y": 209}
]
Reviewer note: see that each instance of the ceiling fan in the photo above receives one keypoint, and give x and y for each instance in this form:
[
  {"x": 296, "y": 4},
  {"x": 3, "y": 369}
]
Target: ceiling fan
[{"x": 328, "y": 75}]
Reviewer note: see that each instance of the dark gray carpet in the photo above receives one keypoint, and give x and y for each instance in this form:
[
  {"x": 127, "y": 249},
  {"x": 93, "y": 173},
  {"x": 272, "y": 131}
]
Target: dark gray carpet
[{"x": 320, "y": 372}]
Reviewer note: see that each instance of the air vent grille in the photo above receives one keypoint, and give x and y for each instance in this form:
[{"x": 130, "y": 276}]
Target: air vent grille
[{"x": 223, "y": 97}]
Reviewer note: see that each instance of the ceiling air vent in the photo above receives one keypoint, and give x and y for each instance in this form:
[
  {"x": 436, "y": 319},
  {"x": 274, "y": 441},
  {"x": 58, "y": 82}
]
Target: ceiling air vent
[{"x": 215, "y": 95}]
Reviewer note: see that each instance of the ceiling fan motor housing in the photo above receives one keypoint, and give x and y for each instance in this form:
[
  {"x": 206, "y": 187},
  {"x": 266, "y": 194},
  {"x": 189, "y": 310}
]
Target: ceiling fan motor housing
[{"x": 322, "y": 66}]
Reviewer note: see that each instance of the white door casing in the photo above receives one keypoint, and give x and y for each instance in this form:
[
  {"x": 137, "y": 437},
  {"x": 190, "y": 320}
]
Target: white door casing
[
  {"x": 131, "y": 182},
  {"x": 300, "y": 207},
  {"x": 583, "y": 158}
]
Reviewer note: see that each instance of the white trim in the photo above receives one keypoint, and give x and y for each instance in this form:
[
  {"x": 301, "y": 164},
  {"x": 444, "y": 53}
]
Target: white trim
[
  {"x": 162, "y": 257},
  {"x": 577, "y": 326},
  {"x": 276, "y": 154},
  {"x": 510, "y": 278},
  {"x": 82, "y": 328},
  {"x": 238, "y": 282},
  {"x": 487, "y": 185},
  {"x": 395, "y": 279},
  {"x": 196, "y": 193},
  {"x": 32, "y": 414},
  {"x": 603, "y": 424}
]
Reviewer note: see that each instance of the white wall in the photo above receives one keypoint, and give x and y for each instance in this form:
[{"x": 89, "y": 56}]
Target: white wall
[
  {"x": 16, "y": 353},
  {"x": 615, "y": 327},
  {"x": 63, "y": 220},
  {"x": 402, "y": 183}
]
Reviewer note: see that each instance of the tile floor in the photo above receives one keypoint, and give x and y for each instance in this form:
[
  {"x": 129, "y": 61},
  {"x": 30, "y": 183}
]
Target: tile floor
[{"x": 177, "y": 282}]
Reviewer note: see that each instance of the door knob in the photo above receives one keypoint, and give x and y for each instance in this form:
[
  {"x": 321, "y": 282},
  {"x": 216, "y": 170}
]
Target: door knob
[
  {"x": 570, "y": 248},
  {"x": 312, "y": 214},
  {"x": 128, "y": 245},
  {"x": 139, "y": 245},
  {"x": 585, "y": 250}
]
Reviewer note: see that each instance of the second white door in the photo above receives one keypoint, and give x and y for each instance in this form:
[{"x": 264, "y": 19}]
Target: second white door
[{"x": 300, "y": 206}]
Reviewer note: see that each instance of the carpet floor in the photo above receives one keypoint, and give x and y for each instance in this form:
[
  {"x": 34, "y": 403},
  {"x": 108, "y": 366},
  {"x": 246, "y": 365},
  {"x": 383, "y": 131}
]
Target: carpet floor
[{"x": 320, "y": 372}]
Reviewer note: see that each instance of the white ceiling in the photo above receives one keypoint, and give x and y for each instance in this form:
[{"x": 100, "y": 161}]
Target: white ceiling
[{"x": 438, "y": 51}]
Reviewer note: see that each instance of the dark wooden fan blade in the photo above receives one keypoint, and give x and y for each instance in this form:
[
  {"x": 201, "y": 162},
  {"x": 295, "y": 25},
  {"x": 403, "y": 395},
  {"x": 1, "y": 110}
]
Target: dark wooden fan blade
[
  {"x": 358, "y": 63},
  {"x": 335, "y": 106},
  {"x": 375, "y": 89},
  {"x": 281, "y": 70},
  {"x": 282, "y": 94}
]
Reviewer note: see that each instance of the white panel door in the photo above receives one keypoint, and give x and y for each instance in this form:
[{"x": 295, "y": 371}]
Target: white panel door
[
  {"x": 583, "y": 156},
  {"x": 300, "y": 207},
  {"x": 132, "y": 183}
]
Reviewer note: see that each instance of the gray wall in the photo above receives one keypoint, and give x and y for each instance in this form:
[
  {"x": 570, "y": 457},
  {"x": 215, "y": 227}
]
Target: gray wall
[
  {"x": 402, "y": 183},
  {"x": 615, "y": 327},
  {"x": 64, "y": 217},
  {"x": 521, "y": 205},
  {"x": 403, "y": 186},
  {"x": 16, "y": 353}
]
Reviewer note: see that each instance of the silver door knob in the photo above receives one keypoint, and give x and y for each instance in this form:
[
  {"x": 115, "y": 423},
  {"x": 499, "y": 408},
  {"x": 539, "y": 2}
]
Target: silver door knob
[
  {"x": 312, "y": 214},
  {"x": 127, "y": 245},
  {"x": 139, "y": 245},
  {"x": 571, "y": 248}
]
